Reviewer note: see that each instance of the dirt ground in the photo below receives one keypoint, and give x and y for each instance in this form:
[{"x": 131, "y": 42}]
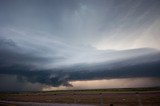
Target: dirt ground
[
  {"x": 97, "y": 98},
  {"x": 13, "y": 103}
]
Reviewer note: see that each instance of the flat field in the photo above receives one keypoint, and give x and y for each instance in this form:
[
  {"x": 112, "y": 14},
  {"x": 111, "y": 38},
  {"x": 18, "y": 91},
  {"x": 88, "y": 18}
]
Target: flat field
[{"x": 99, "y": 97}]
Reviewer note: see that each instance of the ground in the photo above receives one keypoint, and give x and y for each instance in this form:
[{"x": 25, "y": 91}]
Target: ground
[{"x": 117, "y": 97}]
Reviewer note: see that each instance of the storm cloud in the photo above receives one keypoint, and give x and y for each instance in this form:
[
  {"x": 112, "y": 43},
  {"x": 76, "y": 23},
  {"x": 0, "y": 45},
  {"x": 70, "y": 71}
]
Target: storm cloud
[
  {"x": 133, "y": 63},
  {"x": 53, "y": 42}
]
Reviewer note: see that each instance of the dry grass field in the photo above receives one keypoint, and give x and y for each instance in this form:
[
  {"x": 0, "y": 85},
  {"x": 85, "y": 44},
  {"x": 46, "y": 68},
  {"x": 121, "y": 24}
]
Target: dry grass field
[{"x": 117, "y": 97}]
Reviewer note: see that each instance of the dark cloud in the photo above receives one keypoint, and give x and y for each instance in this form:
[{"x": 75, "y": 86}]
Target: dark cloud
[
  {"x": 11, "y": 55},
  {"x": 13, "y": 83},
  {"x": 147, "y": 65},
  {"x": 62, "y": 77}
]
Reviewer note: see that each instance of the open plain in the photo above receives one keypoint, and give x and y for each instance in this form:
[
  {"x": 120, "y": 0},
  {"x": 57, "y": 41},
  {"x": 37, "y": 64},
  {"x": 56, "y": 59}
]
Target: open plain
[{"x": 103, "y": 97}]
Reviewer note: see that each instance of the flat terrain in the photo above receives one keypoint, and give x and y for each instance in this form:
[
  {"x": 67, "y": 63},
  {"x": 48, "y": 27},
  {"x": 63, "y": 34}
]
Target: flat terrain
[
  {"x": 116, "y": 97},
  {"x": 12, "y": 103}
]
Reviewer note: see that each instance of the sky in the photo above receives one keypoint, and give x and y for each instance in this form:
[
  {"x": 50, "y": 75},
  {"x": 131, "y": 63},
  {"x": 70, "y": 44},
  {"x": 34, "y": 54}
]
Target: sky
[{"x": 79, "y": 44}]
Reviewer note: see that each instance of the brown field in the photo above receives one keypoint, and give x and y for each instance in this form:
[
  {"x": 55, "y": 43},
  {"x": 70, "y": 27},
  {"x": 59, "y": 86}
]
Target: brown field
[{"x": 117, "y": 97}]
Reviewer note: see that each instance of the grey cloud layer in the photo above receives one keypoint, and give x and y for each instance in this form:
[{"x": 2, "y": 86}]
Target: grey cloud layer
[
  {"x": 87, "y": 22},
  {"x": 127, "y": 64}
]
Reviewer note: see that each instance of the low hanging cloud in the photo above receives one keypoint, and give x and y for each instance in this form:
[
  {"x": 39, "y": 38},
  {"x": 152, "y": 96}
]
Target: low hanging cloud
[
  {"x": 13, "y": 83},
  {"x": 127, "y": 64}
]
